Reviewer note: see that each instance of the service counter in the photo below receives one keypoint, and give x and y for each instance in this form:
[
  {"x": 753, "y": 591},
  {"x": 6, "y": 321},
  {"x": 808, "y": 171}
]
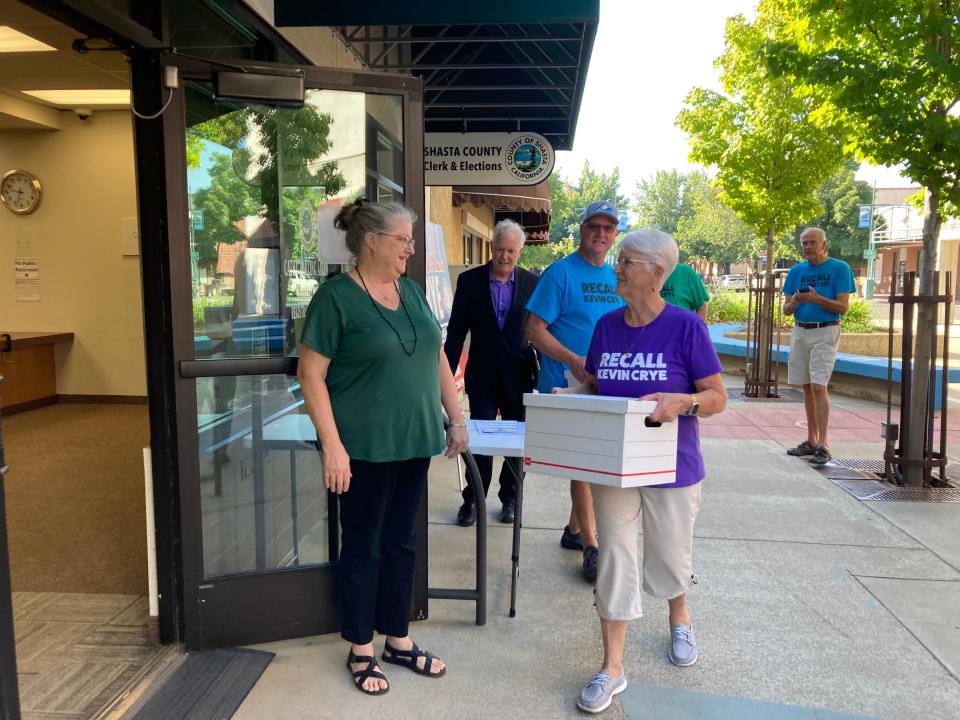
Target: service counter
[{"x": 29, "y": 368}]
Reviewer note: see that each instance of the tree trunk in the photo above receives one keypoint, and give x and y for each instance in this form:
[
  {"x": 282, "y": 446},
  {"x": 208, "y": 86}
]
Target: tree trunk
[
  {"x": 765, "y": 329},
  {"x": 921, "y": 411}
]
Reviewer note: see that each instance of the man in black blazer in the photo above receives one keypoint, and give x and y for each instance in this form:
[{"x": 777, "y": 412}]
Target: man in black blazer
[{"x": 489, "y": 304}]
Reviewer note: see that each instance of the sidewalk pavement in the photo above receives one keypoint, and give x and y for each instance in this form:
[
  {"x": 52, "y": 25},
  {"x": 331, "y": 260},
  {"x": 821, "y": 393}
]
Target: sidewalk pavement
[{"x": 806, "y": 598}]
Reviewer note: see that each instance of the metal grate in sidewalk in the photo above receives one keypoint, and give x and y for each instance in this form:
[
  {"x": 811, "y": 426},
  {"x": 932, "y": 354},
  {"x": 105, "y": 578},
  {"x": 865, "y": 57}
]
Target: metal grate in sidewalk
[
  {"x": 861, "y": 489},
  {"x": 878, "y": 491},
  {"x": 935, "y": 495},
  {"x": 871, "y": 466},
  {"x": 842, "y": 473}
]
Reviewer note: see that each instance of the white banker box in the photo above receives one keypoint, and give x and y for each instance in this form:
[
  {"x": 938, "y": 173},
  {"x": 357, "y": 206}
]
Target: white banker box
[{"x": 598, "y": 439}]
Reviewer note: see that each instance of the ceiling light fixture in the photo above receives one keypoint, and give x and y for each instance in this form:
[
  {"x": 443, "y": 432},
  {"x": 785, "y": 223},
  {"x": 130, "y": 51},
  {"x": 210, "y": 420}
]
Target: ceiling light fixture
[
  {"x": 73, "y": 98},
  {"x": 13, "y": 41}
]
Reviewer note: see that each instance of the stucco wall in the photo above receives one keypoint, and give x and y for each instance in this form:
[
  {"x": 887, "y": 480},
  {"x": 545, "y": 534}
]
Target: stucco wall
[{"x": 447, "y": 216}]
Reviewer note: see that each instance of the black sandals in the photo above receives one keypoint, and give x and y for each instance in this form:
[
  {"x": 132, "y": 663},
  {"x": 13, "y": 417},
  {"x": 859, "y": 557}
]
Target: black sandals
[
  {"x": 371, "y": 671},
  {"x": 408, "y": 659}
]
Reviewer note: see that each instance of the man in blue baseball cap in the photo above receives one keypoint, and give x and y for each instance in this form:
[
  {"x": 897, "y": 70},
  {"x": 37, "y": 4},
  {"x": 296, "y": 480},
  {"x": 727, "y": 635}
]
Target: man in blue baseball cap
[{"x": 573, "y": 293}]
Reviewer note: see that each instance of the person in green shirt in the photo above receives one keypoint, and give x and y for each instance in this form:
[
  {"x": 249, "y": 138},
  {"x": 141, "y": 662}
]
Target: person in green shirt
[
  {"x": 374, "y": 378},
  {"x": 685, "y": 289}
]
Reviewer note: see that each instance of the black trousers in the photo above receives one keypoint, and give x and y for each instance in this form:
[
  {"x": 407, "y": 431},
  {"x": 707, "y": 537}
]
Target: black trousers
[
  {"x": 378, "y": 547},
  {"x": 486, "y": 408}
]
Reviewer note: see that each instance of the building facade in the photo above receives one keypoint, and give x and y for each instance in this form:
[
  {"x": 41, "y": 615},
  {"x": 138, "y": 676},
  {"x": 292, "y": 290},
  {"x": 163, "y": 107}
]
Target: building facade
[{"x": 180, "y": 243}]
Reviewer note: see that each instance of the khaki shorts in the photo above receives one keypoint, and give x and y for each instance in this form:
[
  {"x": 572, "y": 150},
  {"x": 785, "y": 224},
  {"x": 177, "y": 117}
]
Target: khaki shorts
[
  {"x": 813, "y": 353},
  {"x": 667, "y": 516}
]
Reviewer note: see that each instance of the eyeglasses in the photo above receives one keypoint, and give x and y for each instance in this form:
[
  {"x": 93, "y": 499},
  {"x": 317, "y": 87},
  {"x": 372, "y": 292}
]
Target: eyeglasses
[
  {"x": 601, "y": 227},
  {"x": 407, "y": 240},
  {"x": 623, "y": 260}
]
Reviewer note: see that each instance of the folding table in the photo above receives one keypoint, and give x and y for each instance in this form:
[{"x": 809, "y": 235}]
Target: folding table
[{"x": 504, "y": 438}]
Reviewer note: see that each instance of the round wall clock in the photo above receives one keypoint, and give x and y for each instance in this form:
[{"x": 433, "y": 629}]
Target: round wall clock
[{"x": 20, "y": 192}]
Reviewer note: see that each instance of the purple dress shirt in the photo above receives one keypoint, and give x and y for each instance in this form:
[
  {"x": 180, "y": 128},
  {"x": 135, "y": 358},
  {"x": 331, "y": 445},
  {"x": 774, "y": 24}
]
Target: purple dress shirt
[{"x": 501, "y": 295}]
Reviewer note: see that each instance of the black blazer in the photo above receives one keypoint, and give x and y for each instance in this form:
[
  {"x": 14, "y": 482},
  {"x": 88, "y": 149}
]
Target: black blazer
[{"x": 493, "y": 352}]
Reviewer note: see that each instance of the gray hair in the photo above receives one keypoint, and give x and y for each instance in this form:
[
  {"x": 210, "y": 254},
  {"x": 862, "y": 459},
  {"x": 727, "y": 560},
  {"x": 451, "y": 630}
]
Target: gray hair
[
  {"x": 814, "y": 230},
  {"x": 361, "y": 217},
  {"x": 506, "y": 226},
  {"x": 655, "y": 244}
]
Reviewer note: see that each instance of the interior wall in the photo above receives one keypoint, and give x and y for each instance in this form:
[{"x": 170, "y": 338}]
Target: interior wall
[{"x": 87, "y": 285}]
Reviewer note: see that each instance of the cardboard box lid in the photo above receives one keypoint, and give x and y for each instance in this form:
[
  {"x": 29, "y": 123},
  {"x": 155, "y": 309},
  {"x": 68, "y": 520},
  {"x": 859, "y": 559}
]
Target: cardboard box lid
[{"x": 591, "y": 403}]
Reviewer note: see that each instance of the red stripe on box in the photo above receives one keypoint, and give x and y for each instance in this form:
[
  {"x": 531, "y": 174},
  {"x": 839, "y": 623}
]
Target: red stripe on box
[{"x": 530, "y": 461}]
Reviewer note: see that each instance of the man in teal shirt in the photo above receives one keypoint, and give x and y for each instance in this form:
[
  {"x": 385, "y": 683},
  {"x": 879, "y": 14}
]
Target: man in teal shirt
[
  {"x": 572, "y": 294},
  {"x": 817, "y": 294},
  {"x": 685, "y": 289}
]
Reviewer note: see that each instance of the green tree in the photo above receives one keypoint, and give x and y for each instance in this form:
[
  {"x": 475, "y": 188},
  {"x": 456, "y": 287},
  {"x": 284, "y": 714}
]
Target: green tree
[
  {"x": 539, "y": 256},
  {"x": 841, "y": 196},
  {"x": 888, "y": 69},
  {"x": 293, "y": 141},
  {"x": 766, "y": 138},
  {"x": 710, "y": 230},
  {"x": 287, "y": 153},
  {"x": 561, "y": 207},
  {"x": 224, "y": 201},
  {"x": 569, "y": 199},
  {"x": 661, "y": 201}
]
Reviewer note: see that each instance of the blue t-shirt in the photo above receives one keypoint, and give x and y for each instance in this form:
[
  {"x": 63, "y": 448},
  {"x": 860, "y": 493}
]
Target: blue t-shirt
[
  {"x": 570, "y": 297},
  {"x": 829, "y": 278},
  {"x": 667, "y": 355}
]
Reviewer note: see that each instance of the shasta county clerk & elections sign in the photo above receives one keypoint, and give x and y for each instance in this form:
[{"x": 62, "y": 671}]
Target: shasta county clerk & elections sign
[{"x": 486, "y": 158}]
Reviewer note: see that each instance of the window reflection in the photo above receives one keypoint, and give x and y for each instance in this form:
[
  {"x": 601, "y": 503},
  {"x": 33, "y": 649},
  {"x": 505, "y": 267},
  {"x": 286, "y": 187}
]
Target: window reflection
[
  {"x": 264, "y": 185},
  {"x": 263, "y": 501}
]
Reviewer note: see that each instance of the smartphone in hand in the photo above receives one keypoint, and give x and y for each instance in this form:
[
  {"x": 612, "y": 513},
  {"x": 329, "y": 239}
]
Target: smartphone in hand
[{"x": 804, "y": 289}]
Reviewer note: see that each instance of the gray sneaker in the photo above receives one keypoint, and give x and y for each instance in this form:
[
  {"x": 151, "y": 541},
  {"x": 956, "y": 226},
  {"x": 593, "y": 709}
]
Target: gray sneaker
[
  {"x": 683, "y": 646},
  {"x": 597, "y": 695}
]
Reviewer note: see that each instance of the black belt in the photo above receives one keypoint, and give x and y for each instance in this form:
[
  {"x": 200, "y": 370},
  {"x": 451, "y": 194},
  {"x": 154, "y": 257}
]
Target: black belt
[{"x": 810, "y": 326}]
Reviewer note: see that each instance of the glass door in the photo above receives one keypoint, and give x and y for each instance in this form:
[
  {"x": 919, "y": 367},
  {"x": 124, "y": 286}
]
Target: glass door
[{"x": 260, "y": 186}]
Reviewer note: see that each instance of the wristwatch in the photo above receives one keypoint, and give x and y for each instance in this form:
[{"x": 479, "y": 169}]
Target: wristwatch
[{"x": 694, "y": 406}]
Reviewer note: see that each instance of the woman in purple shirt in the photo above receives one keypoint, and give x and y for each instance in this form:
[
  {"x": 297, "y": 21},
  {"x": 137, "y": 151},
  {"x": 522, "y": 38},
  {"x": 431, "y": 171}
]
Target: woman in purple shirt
[{"x": 653, "y": 351}]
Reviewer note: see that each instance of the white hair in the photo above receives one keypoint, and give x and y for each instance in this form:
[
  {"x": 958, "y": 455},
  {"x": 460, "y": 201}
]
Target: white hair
[
  {"x": 508, "y": 226},
  {"x": 654, "y": 244}
]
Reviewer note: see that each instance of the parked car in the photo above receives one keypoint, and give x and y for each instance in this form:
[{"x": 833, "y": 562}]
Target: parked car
[
  {"x": 733, "y": 282},
  {"x": 301, "y": 285}
]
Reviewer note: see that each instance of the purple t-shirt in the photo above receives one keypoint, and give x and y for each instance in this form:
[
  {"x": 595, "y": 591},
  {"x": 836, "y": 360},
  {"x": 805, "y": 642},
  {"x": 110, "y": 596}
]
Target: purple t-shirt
[{"x": 667, "y": 355}]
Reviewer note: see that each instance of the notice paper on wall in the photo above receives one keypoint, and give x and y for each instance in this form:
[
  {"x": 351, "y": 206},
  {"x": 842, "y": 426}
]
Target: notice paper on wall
[{"x": 26, "y": 273}]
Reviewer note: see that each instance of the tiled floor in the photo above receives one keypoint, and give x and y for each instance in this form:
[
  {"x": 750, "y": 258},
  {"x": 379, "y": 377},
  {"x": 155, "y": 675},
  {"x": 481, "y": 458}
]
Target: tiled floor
[{"x": 77, "y": 652}]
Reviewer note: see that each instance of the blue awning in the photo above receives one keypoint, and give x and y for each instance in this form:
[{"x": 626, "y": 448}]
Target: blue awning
[{"x": 496, "y": 66}]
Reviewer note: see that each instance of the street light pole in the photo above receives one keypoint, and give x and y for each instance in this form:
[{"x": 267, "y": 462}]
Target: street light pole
[{"x": 868, "y": 286}]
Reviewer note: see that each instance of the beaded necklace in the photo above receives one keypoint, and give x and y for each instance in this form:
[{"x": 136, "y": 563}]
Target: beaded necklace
[{"x": 376, "y": 306}]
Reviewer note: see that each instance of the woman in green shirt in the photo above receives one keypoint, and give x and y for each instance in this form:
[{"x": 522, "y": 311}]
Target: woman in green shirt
[{"x": 374, "y": 378}]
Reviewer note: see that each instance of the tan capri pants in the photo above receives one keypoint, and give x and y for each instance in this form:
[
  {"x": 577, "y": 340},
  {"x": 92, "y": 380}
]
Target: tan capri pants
[{"x": 667, "y": 516}]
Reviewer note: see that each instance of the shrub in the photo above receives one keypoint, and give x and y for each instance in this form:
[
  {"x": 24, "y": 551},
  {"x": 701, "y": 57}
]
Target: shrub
[
  {"x": 731, "y": 307},
  {"x": 727, "y": 306},
  {"x": 199, "y": 311},
  {"x": 858, "y": 318}
]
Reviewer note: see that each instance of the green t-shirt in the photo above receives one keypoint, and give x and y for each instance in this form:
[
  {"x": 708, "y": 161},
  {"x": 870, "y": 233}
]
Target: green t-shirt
[
  {"x": 386, "y": 404},
  {"x": 684, "y": 288}
]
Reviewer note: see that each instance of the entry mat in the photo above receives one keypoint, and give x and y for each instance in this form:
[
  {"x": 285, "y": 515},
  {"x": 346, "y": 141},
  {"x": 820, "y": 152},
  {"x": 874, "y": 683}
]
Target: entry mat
[
  {"x": 650, "y": 702},
  {"x": 208, "y": 685}
]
